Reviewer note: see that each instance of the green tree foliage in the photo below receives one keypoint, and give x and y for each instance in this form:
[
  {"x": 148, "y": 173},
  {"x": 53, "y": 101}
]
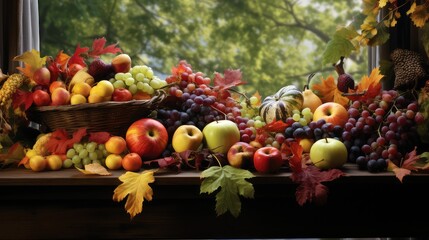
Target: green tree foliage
[{"x": 273, "y": 42}]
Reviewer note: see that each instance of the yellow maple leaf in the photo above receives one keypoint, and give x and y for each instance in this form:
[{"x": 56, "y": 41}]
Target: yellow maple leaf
[
  {"x": 328, "y": 92},
  {"x": 136, "y": 187},
  {"x": 32, "y": 61},
  {"x": 420, "y": 15},
  {"x": 94, "y": 168}
]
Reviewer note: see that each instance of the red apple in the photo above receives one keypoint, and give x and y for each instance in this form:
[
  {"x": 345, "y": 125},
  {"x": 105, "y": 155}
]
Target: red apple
[
  {"x": 147, "y": 137},
  {"x": 267, "y": 160},
  {"x": 332, "y": 112},
  {"x": 121, "y": 95},
  {"x": 41, "y": 98},
  {"x": 42, "y": 76},
  {"x": 60, "y": 96},
  {"x": 121, "y": 63},
  {"x": 240, "y": 155}
]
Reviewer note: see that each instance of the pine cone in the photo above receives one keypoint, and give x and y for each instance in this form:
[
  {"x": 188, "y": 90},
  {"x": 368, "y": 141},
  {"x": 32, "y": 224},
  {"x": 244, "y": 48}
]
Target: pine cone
[{"x": 409, "y": 68}]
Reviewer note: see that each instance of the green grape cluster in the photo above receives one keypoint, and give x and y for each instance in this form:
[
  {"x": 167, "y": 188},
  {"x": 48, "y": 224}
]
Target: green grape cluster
[
  {"x": 139, "y": 78},
  {"x": 85, "y": 153},
  {"x": 303, "y": 117}
]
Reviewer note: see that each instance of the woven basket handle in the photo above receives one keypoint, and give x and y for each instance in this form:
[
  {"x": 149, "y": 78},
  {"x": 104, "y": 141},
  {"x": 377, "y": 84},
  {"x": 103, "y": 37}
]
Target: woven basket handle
[{"x": 158, "y": 98}]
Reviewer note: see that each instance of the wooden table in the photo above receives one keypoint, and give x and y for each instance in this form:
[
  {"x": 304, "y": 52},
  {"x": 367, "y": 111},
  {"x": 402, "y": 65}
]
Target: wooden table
[{"x": 67, "y": 204}]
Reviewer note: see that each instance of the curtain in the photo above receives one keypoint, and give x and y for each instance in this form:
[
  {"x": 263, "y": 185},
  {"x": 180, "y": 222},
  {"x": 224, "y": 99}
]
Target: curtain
[{"x": 19, "y": 28}]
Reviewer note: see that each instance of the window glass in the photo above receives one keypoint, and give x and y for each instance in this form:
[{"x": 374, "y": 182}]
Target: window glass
[{"x": 274, "y": 43}]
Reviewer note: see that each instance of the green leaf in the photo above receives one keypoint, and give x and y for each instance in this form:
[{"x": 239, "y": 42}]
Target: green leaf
[
  {"x": 381, "y": 37},
  {"x": 336, "y": 48},
  {"x": 232, "y": 183}
]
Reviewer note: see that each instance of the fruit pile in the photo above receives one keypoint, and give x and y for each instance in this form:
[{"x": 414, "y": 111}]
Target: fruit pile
[
  {"x": 100, "y": 82},
  {"x": 207, "y": 117}
]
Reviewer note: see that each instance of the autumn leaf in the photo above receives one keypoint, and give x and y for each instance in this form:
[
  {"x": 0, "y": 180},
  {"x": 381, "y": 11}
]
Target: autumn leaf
[
  {"x": 60, "y": 141},
  {"x": 22, "y": 98},
  {"x": 230, "y": 78},
  {"x": 136, "y": 187},
  {"x": 328, "y": 92},
  {"x": 382, "y": 3},
  {"x": 295, "y": 161},
  {"x": 406, "y": 167},
  {"x": 32, "y": 61},
  {"x": 420, "y": 15},
  {"x": 232, "y": 183},
  {"x": 94, "y": 169},
  {"x": 310, "y": 187},
  {"x": 182, "y": 67},
  {"x": 14, "y": 154},
  {"x": 98, "y": 48},
  {"x": 368, "y": 88},
  {"x": 78, "y": 56},
  {"x": 99, "y": 137},
  {"x": 309, "y": 178}
]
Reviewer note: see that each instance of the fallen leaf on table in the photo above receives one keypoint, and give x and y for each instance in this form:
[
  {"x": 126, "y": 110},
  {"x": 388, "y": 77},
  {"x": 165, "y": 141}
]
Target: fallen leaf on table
[
  {"x": 136, "y": 187},
  {"x": 94, "y": 169}
]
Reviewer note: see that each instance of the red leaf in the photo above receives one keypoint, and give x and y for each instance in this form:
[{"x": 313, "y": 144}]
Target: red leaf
[
  {"x": 410, "y": 159},
  {"x": 276, "y": 126},
  {"x": 22, "y": 98},
  {"x": 295, "y": 161},
  {"x": 99, "y": 49},
  {"x": 99, "y": 137},
  {"x": 77, "y": 57},
  {"x": 310, "y": 187},
  {"x": 230, "y": 79},
  {"x": 59, "y": 141}
]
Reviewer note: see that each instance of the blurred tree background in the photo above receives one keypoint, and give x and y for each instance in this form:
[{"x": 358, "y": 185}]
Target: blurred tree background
[{"x": 273, "y": 42}]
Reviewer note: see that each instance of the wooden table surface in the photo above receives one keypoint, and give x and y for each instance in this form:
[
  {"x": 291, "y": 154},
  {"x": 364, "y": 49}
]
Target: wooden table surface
[{"x": 67, "y": 204}]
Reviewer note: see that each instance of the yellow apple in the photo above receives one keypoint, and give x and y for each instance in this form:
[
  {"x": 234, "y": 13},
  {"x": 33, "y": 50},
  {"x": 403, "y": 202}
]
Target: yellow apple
[
  {"x": 37, "y": 163},
  {"x": 328, "y": 153},
  {"x": 77, "y": 99},
  {"x": 82, "y": 88},
  {"x": 187, "y": 137},
  {"x": 113, "y": 161},
  {"x": 54, "y": 162}
]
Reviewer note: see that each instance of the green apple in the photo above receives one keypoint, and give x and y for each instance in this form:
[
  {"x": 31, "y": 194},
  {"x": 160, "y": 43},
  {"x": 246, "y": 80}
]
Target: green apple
[
  {"x": 328, "y": 153},
  {"x": 220, "y": 135},
  {"x": 187, "y": 137}
]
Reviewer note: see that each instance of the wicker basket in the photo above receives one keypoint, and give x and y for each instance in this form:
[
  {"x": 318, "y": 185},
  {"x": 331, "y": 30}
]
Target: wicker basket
[{"x": 112, "y": 117}]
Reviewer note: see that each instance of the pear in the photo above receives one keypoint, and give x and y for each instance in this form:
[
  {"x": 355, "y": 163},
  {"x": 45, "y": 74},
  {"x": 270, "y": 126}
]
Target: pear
[{"x": 311, "y": 100}]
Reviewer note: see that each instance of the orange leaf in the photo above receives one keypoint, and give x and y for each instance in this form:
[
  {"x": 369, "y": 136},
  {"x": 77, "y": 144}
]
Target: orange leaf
[
  {"x": 94, "y": 169},
  {"x": 373, "y": 79},
  {"x": 259, "y": 97},
  {"x": 328, "y": 92},
  {"x": 136, "y": 187},
  {"x": 400, "y": 173},
  {"x": 368, "y": 88}
]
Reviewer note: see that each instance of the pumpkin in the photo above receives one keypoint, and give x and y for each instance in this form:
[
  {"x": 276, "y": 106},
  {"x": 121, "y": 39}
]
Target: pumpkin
[{"x": 281, "y": 105}]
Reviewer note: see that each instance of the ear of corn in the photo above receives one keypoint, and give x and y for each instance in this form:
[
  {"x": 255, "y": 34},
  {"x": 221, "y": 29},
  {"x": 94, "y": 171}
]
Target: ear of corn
[
  {"x": 40, "y": 146},
  {"x": 12, "y": 83}
]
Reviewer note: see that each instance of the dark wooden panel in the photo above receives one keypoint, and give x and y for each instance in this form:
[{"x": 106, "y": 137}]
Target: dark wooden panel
[{"x": 360, "y": 205}]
